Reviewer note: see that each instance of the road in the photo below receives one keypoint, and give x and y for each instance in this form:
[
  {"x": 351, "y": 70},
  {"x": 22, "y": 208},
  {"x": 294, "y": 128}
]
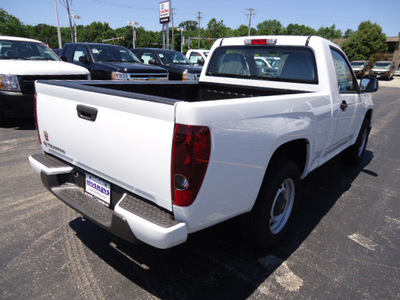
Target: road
[{"x": 345, "y": 243}]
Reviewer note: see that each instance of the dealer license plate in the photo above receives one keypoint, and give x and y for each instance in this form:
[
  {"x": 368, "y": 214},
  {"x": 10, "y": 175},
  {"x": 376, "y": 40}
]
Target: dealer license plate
[{"x": 98, "y": 188}]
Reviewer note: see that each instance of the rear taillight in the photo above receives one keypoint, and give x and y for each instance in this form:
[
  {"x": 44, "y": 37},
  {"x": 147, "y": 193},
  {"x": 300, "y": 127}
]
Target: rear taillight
[
  {"x": 190, "y": 157},
  {"x": 36, "y": 120}
]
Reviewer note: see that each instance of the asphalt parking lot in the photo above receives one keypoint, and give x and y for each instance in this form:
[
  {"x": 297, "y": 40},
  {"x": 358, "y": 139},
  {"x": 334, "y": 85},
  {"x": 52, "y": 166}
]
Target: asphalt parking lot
[{"x": 345, "y": 243}]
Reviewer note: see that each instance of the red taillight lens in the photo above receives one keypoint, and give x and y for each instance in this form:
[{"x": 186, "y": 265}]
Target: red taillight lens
[
  {"x": 259, "y": 42},
  {"x": 190, "y": 157},
  {"x": 36, "y": 120}
]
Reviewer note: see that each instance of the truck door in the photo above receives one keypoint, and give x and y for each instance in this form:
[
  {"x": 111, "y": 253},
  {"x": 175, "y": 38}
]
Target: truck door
[{"x": 347, "y": 100}]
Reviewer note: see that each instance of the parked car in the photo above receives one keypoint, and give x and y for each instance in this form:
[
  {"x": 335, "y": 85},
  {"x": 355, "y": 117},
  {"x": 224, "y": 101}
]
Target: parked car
[
  {"x": 397, "y": 71},
  {"x": 22, "y": 62},
  {"x": 267, "y": 65},
  {"x": 57, "y": 51},
  {"x": 179, "y": 67},
  {"x": 111, "y": 62},
  {"x": 361, "y": 68},
  {"x": 197, "y": 56},
  {"x": 383, "y": 70}
]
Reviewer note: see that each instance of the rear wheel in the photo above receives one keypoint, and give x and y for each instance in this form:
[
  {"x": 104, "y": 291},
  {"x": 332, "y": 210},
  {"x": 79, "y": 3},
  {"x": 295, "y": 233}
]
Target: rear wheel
[{"x": 270, "y": 217}]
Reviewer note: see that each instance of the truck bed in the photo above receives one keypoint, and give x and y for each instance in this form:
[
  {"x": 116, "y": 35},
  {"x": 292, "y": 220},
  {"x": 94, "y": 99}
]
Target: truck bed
[{"x": 170, "y": 92}]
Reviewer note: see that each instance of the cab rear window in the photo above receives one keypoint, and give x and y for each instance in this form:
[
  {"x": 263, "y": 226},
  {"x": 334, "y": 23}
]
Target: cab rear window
[{"x": 277, "y": 63}]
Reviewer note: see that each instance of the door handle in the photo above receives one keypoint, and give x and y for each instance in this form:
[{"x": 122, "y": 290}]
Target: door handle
[
  {"x": 86, "y": 112},
  {"x": 344, "y": 105}
]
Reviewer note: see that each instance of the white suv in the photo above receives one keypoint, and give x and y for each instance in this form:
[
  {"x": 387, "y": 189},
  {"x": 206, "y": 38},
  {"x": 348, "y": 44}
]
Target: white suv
[{"x": 22, "y": 61}]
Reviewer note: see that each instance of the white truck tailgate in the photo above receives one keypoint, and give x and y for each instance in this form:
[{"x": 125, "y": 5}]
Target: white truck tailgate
[{"x": 129, "y": 143}]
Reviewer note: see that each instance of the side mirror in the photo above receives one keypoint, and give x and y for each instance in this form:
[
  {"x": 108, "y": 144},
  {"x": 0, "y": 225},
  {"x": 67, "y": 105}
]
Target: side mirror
[
  {"x": 369, "y": 85},
  {"x": 83, "y": 59},
  {"x": 200, "y": 61},
  {"x": 153, "y": 62},
  {"x": 64, "y": 58}
]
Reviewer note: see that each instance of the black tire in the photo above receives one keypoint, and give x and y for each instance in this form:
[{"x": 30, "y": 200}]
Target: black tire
[
  {"x": 268, "y": 221},
  {"x": 354, "y": 154},
  {"x": 2, "y": 120}
]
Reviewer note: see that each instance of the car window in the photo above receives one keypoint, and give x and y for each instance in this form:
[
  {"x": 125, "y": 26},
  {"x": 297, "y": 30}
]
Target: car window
[
  {"x": 194, "y": 57},
  {"x": 344, "y": 75},
  {"x": 79, "y": 51},
  {"x": 147, "y": 56},
  {"x": 25, "y": 50},
  {"x": 277, "y": 63}
]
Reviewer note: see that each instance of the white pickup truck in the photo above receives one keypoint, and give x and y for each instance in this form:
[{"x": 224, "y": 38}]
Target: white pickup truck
[{"x": 157, "y": 161}]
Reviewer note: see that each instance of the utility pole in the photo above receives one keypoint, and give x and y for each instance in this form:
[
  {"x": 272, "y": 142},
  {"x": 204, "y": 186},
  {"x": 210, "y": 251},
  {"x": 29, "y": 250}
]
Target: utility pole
[
  {"x": 173, "y": 33},
  {"x": 75, "y": 18},
  {"x": 199, "y": 13},
  {"x": 133, "y": 24},
  {"x": 250, "y": 14},
  {"x": 70, "y": 21},
  {"x": 58, "y": 27}
]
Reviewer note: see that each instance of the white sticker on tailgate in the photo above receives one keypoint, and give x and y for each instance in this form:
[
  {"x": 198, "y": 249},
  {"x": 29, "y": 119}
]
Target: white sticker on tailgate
[{"x": 98, "y": 188}]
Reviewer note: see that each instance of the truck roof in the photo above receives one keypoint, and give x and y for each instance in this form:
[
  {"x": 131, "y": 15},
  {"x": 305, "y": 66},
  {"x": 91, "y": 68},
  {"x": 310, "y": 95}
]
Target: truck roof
[{"x": 15, "y": 38}]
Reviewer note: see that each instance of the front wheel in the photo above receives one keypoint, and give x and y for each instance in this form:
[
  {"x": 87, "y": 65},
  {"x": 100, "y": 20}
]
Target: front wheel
[
  {"x": 270, "y": 217},
  {"x": 353, "y": 155}
]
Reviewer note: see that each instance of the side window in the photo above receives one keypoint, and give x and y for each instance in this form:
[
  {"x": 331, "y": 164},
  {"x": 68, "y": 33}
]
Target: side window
[
  {"x": 344, "y": 75},
  {"x": 147, "y": 56},
  {"x": 194, "y": 57},
  {"x": 79, "y": 51}
]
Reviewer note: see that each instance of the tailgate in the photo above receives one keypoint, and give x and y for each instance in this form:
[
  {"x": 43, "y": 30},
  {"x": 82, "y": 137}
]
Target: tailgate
[{"x": 125, "y": 141}]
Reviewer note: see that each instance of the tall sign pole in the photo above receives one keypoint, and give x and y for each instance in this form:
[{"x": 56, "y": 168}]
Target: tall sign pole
[{"x": 165, "y": 17}]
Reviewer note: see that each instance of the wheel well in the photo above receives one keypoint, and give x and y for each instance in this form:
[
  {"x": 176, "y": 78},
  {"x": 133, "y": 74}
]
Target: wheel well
[
  {"x": 295, "y": 151},
  {"x": 368, "y": 115}
]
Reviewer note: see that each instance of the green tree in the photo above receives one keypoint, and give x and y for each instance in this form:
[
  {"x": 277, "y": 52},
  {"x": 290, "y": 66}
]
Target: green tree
[
  {"x": 348, "y": 33},
  {"x": 97, "y": 32},
  {"x": 330, "y": 33},
  {"x": 270, "y": 27},
  {"x": 45, "y": 33},
  {"x": 189, "y": 25},
  {"x": 216, "y": 29},
  {"x": 365, "y": 42},
  {"x": 296, "y": 29},
  {"x": 243, "y": 30},
  {"x": 10, "y": 25}
]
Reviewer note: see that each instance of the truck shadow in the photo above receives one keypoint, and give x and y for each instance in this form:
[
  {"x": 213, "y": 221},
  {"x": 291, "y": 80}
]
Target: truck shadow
[
  {"x": 20, "y": 124},
  {"x": 216, "y": 263}
]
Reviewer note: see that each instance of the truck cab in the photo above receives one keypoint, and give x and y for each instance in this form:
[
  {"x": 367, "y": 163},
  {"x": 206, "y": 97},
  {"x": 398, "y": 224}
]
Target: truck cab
[
  {"x": 22, "y": 61},
  {"x": 111, "y": 62}
]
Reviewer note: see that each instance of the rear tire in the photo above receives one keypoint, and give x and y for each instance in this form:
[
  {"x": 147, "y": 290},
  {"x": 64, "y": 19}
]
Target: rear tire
[
  {"x": 268, "y": 221},
  {"x": 354, "y": 154}
]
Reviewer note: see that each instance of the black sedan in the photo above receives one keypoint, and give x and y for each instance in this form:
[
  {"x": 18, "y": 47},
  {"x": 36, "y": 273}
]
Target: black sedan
[{"x": 178, "y": 66}]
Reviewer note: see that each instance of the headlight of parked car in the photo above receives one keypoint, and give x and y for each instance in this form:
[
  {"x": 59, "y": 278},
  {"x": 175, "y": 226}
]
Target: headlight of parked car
[
  {"x": 188, "y": 76},
  {"x": 119, "y": 76},
  {"x": 9, "y": 83}
]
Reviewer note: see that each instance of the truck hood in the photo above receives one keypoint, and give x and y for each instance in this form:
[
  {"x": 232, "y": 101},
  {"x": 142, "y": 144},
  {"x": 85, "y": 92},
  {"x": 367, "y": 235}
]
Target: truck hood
[
  {"x": 40, "y": 67},
  {"x": 132, "y": 67},
  {"x": 183, "y": 67},
  {"x": 380, "y": 70}
]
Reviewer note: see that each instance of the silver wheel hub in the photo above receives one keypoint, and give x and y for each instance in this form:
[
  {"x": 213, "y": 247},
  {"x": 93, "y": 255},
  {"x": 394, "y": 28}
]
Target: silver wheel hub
[{"x": 282, "y": 206}]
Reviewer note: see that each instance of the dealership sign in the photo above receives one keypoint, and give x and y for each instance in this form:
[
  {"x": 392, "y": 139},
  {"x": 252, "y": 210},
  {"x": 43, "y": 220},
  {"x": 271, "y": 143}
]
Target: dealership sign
[{"x": 165, "y": 12}]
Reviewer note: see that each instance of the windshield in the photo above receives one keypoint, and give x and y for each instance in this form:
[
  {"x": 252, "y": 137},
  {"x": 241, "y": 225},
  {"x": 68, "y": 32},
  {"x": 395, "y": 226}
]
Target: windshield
[
  {"x": 110, "y": 53},
  {"x": 278, "y": 63},
  {"x": 383, "y": 65},
  {"x": 172, "y": 57},
  {"x": 26, "y": 51},
  {"x": 357, "y": 64}
]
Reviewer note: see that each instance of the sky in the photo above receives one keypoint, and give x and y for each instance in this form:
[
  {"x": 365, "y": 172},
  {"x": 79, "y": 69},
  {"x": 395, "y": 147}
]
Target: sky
[{"x": 345, "y": 14}]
